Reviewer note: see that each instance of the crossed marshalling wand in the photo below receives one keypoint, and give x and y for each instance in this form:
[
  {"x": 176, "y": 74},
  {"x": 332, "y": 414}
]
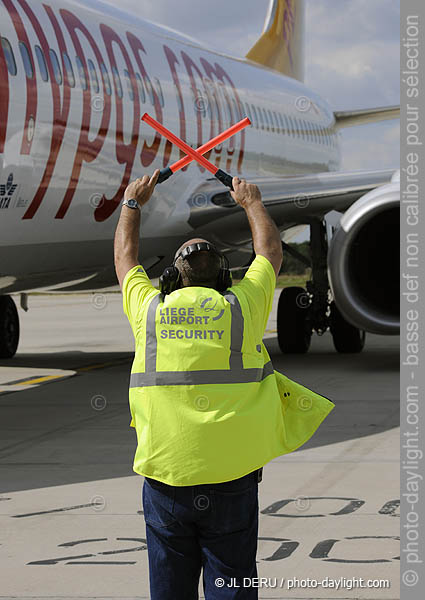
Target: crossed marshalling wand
[{"x": 197, "y": 155}]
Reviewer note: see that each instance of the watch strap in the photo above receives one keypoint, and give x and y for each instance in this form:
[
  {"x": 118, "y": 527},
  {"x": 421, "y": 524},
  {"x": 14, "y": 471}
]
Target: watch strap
[{"x": 131, "y": 203}]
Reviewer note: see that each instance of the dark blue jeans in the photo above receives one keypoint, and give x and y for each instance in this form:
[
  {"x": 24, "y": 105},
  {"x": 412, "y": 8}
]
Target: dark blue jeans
[{"x": 210, "y": 526}]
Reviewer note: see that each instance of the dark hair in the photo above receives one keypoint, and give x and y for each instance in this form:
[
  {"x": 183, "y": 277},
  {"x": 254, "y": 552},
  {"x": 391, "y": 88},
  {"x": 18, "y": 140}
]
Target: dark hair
[{"x": 199, "y": 269}]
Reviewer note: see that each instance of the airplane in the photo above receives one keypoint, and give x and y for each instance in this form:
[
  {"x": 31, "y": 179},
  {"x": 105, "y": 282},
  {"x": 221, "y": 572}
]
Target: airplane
[{"x": 76, "y": 77}]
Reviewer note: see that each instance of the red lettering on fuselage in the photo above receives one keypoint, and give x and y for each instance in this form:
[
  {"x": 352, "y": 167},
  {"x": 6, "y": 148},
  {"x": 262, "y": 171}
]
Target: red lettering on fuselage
[
  {"x": 86, "y": 150},
  {"x": 30, "y": 82},
  {"x": 4, "y": 98},
  {"x": 148, "y": 153},
  {"x": 172, "y": 61},
  {"x": 60, "y": 108},
  {"x": 221, "y": 74},
  {"x": 125, "y": 153}
]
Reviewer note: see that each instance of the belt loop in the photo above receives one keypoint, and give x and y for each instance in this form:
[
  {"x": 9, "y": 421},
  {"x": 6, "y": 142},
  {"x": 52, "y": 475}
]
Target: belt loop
[{"x": 260, "y": 475}]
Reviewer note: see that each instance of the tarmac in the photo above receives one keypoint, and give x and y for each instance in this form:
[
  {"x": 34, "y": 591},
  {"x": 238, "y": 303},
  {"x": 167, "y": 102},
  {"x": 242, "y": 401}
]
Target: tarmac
[{"x": 71, "y": 519}]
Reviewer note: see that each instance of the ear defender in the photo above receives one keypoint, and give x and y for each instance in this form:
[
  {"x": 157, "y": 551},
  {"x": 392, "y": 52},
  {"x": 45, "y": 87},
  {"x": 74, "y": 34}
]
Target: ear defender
[
  {"x": 224, "y": 279},
  {"x": 170, "y": 279}
]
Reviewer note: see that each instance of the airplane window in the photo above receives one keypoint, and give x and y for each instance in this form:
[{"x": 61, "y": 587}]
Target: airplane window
[
  {"x": 261, "y": 118},
  {"x": 310, "y": 131},
  {"x": 276, "y": 120},
  {"x": 236, "y": 109},
  {"x": 301, "y": 128},
  {"x": 199, "y": 103},
  {"x": 8, "y": 55},
  {"x": 266, "y": 119},
  {"x": 254, "y": 114},
  {"x": 209, "y": 103},
  {"x": 179, "y": 100},
  {"x": 69, "y": 70},
  {"x": 149, "y": 89},
  {"x": 117, "y": 81},
  {"x": 56, "y": 67},
  {"x": 217, "y": 109},
  {"x": 106, "y": 80},
  {"x": 297, "y": 127},
  {"x": 26, "y": 59},
  {"x": 281, "y": 122},
  {"x": 159, "y": 91},
  {"x": 248, "y": 112},
  {"x": 141, "y": 88},
  {"x": 291, "y": 127},
  {"x": 307, "y": 130},
  {"x": 129, "y": 85},
  {"x": 93, "y": 76},
  {"x": 41, "y": 63},
  {"x": 81, "y": 73},
  {"x": 228, "y": 109},
  {"x": 269, "y": 115}
]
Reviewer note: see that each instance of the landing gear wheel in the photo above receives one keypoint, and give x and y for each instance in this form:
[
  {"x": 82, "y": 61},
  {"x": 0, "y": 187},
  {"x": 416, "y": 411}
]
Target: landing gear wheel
[
  {"x": 346, "y": 337},
  {"x": 293, "y": 332},
  {"x": 9, "y": 327}
]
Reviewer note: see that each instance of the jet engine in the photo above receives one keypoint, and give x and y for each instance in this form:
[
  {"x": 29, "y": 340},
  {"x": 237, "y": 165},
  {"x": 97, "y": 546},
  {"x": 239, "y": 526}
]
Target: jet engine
[{"x": 364, "y": 261}]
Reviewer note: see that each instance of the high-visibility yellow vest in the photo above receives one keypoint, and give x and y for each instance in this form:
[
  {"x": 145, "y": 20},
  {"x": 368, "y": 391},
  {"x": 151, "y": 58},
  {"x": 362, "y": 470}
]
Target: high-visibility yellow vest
[{"x": 205, "y": 400}]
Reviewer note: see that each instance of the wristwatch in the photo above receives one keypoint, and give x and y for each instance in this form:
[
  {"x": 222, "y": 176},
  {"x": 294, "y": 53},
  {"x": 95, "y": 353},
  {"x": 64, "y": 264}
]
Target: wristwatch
[{"x": 131, "y": 203}]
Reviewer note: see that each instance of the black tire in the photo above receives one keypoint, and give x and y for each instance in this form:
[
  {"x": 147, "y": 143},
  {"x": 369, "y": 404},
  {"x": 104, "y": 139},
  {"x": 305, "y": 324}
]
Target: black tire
[
  {"x": 293, "y": 333},
  {"x": 346, "y": 337},
  {"x": 9, "y": 327}
]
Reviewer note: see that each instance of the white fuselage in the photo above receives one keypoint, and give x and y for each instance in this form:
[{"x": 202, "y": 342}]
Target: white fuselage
[{"x": 70, "y": 151}]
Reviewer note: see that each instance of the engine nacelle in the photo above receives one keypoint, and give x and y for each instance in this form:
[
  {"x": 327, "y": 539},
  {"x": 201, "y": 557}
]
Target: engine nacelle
[{"x": 364, "y": 261}]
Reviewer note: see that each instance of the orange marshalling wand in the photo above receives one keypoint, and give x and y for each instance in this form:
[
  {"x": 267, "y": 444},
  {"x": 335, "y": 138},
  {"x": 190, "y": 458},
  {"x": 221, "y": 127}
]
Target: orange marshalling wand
[{"x": 196, "y": 154}]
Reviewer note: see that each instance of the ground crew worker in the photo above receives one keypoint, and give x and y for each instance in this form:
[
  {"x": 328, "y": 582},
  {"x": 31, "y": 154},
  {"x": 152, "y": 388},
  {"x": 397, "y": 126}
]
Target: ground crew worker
[{"x": 204, "y": 400}]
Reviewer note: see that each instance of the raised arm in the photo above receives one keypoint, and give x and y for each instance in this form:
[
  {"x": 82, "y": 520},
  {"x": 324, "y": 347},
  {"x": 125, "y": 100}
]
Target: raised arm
[
  {"x": 265, "y": 234},
  {"x": 126, "y": 242}
]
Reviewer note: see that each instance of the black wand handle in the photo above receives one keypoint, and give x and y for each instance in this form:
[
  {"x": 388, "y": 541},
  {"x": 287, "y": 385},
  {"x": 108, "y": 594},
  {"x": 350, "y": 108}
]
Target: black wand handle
[
  {"x": 164, "y": 175},
  {"x": 225, "y": 178}
]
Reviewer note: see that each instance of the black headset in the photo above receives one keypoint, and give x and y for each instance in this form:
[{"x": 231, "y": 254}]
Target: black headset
[{"x": 170, "y": 280}]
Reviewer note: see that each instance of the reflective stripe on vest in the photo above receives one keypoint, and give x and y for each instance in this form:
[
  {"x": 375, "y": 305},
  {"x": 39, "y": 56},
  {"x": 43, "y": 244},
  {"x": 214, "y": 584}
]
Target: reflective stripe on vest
[{"x": 235, "y": 374}]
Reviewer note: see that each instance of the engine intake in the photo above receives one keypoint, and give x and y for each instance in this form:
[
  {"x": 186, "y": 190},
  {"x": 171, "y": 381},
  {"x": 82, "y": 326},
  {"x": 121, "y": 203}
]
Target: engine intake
[{"x": 364, "y": 261}]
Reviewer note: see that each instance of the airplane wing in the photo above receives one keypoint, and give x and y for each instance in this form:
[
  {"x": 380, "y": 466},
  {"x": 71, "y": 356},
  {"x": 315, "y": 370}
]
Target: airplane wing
[
  {"x": 350, "y": 118},
  {"x": 290, "y": 201}
]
